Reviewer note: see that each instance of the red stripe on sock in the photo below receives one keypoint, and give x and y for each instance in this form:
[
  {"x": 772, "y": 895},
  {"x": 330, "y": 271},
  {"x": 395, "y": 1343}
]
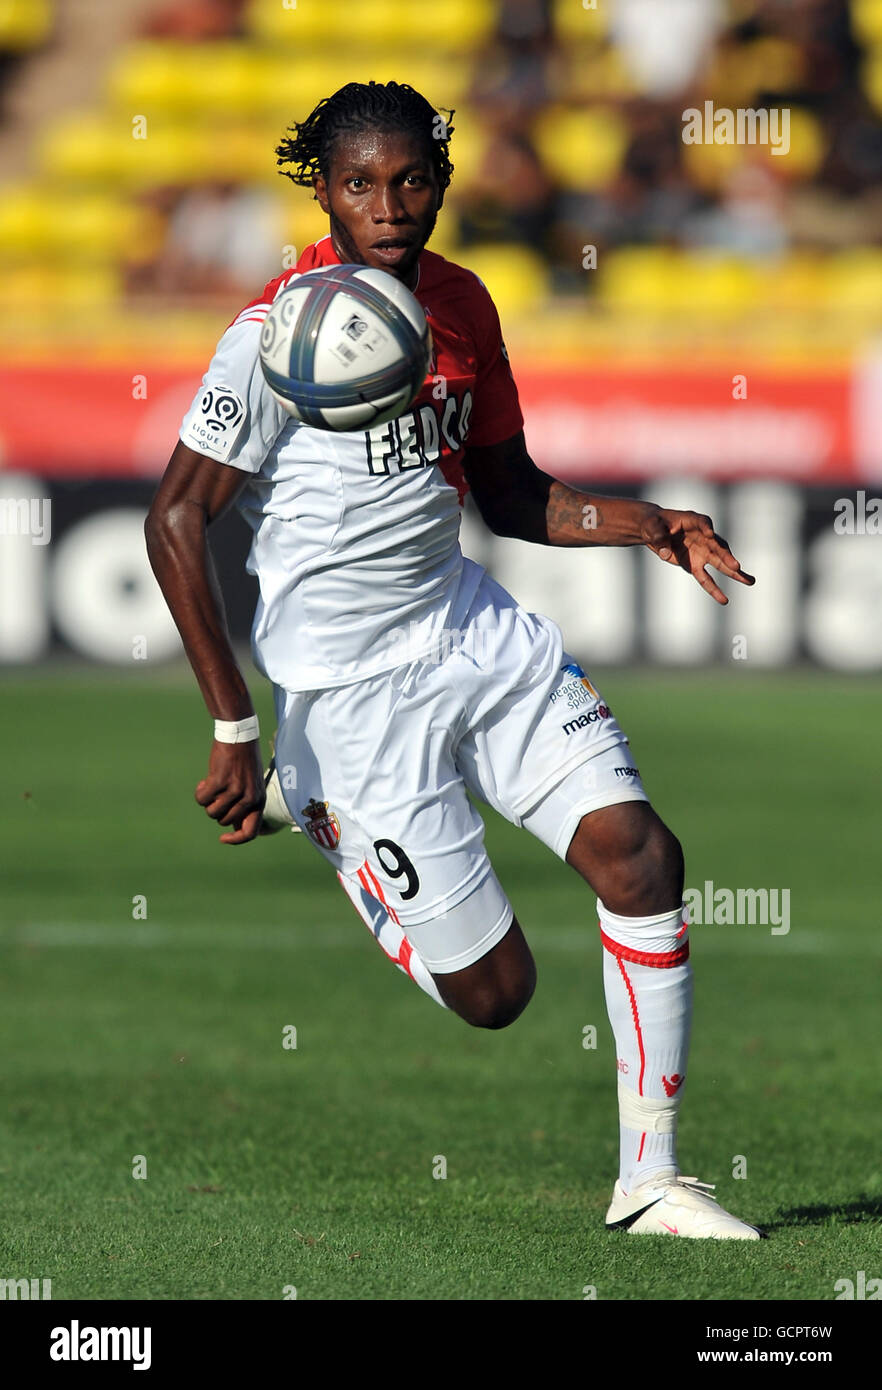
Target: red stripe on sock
[
  {"x": 636, "y": 1017},
  {"x": 662, "y": 960}
]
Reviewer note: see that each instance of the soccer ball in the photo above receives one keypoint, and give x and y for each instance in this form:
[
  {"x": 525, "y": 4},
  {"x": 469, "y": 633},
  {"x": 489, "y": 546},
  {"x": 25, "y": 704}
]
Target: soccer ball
[{"x": 345, "y": 347}]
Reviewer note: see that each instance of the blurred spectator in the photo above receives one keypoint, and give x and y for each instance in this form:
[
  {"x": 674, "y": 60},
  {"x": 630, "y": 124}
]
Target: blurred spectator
[
  {"x": 750, "y": 218},
  {"x": 196, "y": 21},
  {"x": 511, "y": 197},
  {"x": 664, "y": 44},
  {"x": 222, "y": 243},
  {"x": 512, "y": 72},
  {"x": 649, "y": 199}
]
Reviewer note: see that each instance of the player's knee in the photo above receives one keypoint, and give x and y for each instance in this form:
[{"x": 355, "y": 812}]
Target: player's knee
[
  {"x": 641, "y": 868},
  {"x": 493, "y": 992},
  {"x": 651, "y": 869},
  {"x": 498, "y": 1008},
  {"x": 664, "y": 858}
]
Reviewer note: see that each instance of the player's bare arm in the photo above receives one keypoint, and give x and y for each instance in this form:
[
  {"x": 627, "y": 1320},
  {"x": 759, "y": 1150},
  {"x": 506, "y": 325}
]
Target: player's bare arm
[
  {"x": 193, "y": 493},
  {"x": 517, "y": 499}
]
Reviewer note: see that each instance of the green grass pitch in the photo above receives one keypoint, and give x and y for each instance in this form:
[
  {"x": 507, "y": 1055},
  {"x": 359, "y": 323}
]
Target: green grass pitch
[{"x": 268, "y": 1167}]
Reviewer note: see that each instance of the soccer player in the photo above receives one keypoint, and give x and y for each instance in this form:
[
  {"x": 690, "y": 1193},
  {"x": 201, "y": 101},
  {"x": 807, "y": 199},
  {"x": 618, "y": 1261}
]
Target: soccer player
[{"x": 404, "y": 676}]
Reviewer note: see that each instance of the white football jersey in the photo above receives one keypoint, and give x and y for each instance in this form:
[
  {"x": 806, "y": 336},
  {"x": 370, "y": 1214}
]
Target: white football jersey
[{"x": 356, "y": 534}]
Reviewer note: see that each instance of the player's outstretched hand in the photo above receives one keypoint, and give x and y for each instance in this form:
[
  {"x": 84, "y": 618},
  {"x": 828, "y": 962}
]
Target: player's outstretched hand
[
  {"x": 233, "y": 792},
  {"x": 689, "y": 540}
]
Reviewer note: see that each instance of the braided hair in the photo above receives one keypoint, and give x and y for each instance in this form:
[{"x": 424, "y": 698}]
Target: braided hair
[{"x": 360, "y": 106}]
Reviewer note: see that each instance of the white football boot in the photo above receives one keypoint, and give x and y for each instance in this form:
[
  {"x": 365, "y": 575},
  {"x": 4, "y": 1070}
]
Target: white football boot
[
  {"x": 276, "y": 815},
  {"x": 667, "y": 1204}
]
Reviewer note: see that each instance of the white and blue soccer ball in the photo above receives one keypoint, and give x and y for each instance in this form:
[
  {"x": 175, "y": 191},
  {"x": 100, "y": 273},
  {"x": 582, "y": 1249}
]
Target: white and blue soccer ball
[{"x": 345, "y": 347}]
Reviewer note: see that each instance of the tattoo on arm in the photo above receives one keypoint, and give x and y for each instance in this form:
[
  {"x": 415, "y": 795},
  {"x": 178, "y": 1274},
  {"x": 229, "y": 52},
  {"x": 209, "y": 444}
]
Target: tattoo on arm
[
  {"x": 573, "y": 516},
  {"x": 517, "y": 499}
]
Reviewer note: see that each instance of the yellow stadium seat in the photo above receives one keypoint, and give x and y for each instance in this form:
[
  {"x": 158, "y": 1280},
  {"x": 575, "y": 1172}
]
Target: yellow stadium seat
[
  {"x": 582, "y": 148},
  {"x": 662, "y": 281},
  {"x": 145, "y": 77},
  {"x": 302, "y": 219},
  {"x": 174, "y": 154},
  {"x": 515, "y": 276},
  {"x": 86, "y": 228},
  {"x": 170, "y": 79},
  {"x": 807, "y": 146},
  {"x": 444, "y": 240},
  {"x": 866, "y": 20},
  {"x": 106, "y": 151},
  {"x": 376, "y": 24},
  {"x": 577, "y": 21},
  {"x": 59, "y": 289},
  {"x": 717, "y": 287},
  {"x": 638, "y": 279},
  {"x": 871, "y": 78},
  {"x": 710, "y": 166},
  {"x": 737, "y": 72},
  {"x": 593, "y": 74},
  {"x": 447, "y": 24},
  {"x": 292, "y": 86},
  {"x": 89, "y": 287},
  {"x": 797, "y": 284},
  {"x": 85, "y": 147},
  {"x": 82, "y": 228},
  {"x": 854, "y": 284},
  {"x": 243, "y": 153},
  {"x": 24, "y": 24},
  {"x": 303, "y": 23},
  {"x": 772, "y": 64},
  {"x": 442, "y": 83},
  {"x": 22, "y": 223},
  {"x": 93, "y": 228},
  {"x": 468, "y": 145}
]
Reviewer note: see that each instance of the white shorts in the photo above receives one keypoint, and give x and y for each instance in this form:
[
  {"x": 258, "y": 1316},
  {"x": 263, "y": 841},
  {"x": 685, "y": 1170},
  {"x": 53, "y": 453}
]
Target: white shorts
[{"x": 378, "y": 774}]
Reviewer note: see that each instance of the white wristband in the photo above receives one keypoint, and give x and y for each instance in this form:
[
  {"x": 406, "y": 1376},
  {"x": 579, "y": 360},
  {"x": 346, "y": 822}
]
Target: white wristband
[{"x": 236, "y": 730}]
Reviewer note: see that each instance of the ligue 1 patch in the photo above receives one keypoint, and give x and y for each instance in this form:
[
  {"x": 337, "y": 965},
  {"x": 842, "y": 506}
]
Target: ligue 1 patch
[
  {"x": 322, "y": 824},
  {"x": 216, "y": 421}
]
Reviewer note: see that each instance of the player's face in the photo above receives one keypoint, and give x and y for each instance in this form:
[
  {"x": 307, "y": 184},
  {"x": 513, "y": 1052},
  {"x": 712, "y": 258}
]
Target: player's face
[{"x": 382, "y": 197}]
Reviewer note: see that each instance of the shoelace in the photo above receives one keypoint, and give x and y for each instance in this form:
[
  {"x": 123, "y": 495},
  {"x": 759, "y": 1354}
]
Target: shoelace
[{"x": 708, "y": 1187}]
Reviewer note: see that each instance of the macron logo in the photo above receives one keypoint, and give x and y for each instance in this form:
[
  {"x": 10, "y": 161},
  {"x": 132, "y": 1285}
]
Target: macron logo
[
  {"x": 672, "y": 1086},
  {"x": 77, "y": 1343}
]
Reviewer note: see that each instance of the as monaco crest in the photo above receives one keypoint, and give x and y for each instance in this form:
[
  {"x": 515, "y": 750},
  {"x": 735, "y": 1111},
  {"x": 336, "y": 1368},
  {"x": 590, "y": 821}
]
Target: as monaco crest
[{"x": 322, "y": 824}]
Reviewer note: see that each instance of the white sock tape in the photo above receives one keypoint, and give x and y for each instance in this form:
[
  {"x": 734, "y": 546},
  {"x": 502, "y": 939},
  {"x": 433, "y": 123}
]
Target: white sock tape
[
  {"x": 656, "y": 935},
  {"x": 648, "y": 1116}
]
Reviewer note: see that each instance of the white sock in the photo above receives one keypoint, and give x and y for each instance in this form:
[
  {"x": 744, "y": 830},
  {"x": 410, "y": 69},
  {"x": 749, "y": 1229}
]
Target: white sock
[
  {"x": 387, "y": 930},
  {"x": 647, "y": 980}
]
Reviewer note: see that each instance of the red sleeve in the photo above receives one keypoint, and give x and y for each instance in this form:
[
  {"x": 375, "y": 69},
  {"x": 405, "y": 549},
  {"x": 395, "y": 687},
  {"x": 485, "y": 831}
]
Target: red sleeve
[{"x": 496, "y": 412}]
